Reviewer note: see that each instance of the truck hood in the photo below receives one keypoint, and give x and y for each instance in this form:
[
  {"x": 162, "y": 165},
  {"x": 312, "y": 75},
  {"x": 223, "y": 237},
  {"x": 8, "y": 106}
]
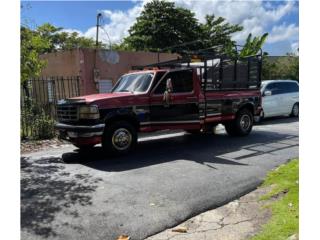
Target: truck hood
[
  {"x": 101, "y": 97},
  {"x": 112, "y": 100}
]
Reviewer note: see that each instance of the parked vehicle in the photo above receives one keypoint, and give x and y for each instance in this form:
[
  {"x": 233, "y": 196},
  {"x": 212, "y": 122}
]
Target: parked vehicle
[
  {"x": 195, "y": 93},
  {"x": 279, "y": 97}
]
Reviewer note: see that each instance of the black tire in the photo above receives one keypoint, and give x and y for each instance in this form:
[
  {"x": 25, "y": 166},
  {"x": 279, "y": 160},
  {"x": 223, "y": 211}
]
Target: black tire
[
  {"x": 242, "y": 125},
  {"x": 295, "y": 110},
  {"x": 119, "y": 138}
]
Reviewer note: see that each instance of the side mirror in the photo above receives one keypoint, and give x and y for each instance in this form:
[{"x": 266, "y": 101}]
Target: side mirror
[{"x": 267, "y": 93}]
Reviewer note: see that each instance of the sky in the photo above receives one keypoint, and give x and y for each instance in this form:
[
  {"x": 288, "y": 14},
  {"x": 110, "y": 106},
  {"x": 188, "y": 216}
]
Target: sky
[{"x": 279, "y": 18}]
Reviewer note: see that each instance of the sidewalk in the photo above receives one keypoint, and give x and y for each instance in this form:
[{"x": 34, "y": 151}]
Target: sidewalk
[{"x": 239, "y": 219}]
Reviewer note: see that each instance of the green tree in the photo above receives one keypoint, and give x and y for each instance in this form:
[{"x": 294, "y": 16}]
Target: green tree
[
  {"x": 293, "y": 68},
  {"x": 269, "y": 69},
  {"x": 31, "y": 46},
  {"x": 217, "y": 32},
  {"x": 45, "y": 39},
  {"x": 59, "y": 40},
  {"x": 253, "y": 46},
  {"x": 161, "y": 25},
  {"x": 286, "y": 67}
]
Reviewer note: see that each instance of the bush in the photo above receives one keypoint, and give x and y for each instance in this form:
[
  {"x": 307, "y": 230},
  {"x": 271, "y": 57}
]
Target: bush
[{"x": 35, "y": 123}]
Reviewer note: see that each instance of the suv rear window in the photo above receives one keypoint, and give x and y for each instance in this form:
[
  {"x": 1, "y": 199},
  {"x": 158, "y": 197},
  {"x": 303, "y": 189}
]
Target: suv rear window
[
  {"x": 288, "y": 87},
  {"x": 293, "y": 87}
]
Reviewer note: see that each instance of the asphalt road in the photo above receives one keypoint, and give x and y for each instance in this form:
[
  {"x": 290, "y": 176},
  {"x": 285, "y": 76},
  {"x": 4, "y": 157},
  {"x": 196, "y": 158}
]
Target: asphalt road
[{"x": 68, "y": 195}]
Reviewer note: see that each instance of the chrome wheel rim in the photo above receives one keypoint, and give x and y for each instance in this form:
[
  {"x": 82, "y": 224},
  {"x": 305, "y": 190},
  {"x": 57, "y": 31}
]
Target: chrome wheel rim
[
  {"x": 295, "y": 110},
  {"x": 245, "y": 122},
  {"x": 121, "y": 139}
]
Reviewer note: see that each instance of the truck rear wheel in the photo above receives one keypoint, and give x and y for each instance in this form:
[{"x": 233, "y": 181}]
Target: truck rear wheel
[
  {"x": 119, "y": 138},
  {"x": 242, "y": 125}
]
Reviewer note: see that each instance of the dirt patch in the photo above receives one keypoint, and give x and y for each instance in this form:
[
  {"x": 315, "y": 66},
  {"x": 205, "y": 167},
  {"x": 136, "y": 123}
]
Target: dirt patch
[{"x": 34, "y": 146}]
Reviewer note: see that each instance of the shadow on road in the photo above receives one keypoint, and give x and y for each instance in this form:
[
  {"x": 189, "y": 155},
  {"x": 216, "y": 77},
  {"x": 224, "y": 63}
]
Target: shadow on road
[
  {"x": 278, "y": 120},
  {"x": 205, "y": 149},
  {"x": 46, "y": 190}
]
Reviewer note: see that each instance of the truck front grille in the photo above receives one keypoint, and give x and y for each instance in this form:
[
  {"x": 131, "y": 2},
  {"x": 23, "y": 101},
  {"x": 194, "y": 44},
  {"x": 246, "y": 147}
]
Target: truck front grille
[{"x": 67, "y": 113}]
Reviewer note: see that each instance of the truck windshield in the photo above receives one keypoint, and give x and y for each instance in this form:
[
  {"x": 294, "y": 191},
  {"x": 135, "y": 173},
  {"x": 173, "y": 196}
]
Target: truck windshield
[{"x": 133, "y": 83}]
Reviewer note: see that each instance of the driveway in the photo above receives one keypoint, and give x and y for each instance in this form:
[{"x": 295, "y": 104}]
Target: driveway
[{"x": 169, "y": 178}]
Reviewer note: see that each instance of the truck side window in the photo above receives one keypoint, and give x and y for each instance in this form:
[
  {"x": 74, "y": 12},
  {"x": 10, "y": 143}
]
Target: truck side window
[
  {"x": 161, "y": 88},
  {"x": 159, "y": 75},
  {"x": 182, "y": 81}
]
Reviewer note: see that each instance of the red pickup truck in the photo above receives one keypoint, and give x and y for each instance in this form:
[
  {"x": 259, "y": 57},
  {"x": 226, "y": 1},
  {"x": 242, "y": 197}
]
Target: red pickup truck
[{"x": 192, "y": 93}]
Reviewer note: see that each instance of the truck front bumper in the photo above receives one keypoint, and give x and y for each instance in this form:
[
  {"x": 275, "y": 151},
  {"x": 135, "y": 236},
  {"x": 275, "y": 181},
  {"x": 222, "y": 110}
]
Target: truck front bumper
[{"x": 68, "y": 132}]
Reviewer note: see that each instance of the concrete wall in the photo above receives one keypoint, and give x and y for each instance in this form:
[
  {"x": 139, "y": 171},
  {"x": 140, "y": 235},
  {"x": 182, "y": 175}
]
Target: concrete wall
[
  {"x": 62, "y": 63},
  {"x": 82, "y": 62}
]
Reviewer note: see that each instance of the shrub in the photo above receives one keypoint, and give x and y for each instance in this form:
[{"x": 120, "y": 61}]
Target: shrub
[{"x": 35, "y": 123}]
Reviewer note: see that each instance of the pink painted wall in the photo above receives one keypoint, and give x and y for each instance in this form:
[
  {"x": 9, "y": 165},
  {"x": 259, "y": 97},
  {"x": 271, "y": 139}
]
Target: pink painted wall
[{"x": 81, "y": 62}]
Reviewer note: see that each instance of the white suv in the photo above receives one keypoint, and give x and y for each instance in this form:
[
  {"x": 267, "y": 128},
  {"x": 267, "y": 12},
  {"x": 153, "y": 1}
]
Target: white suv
[{"x": 279, "y": 97}]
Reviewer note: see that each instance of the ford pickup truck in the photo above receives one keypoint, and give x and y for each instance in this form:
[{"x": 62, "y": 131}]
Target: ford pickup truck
[{"x": 194, "y": 93}]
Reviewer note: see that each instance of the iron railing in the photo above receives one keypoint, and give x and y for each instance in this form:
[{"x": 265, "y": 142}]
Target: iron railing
[{"x": 41, "y": 95}]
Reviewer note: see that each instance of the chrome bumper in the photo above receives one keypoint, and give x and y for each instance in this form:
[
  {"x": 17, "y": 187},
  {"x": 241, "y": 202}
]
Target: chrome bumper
[{"x": 77, "y": 131}]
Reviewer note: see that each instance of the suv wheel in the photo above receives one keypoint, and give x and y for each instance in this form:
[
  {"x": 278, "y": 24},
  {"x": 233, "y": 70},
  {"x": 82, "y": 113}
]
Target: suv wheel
[
  {"x": 295, "y": 110},
  {"x": 242, "y": 125},
  {"x": 119, "y": 138}
]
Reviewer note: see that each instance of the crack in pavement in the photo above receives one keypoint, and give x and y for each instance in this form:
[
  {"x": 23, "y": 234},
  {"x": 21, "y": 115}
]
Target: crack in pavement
[{"x": 245, "y": 210}]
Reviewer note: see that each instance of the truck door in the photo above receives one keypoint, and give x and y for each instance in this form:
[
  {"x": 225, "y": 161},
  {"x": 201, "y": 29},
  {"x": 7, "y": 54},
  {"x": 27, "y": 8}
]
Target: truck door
[{"x": 175, "y": 106}]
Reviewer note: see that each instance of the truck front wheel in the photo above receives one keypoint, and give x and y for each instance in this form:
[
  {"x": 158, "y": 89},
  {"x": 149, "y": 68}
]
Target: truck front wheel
[
  {"x": 119, "y": 138},
  {"x": 241, "y": 125}
]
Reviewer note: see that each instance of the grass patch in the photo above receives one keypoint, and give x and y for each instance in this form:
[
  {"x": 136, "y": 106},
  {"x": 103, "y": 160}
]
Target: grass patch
[{"x": 285, "y": 210}]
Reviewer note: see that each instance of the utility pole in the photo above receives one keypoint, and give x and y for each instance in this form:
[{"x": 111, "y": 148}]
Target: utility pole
[
  {"x": 96, "y": 72},
  {"x": 98, "y": 25}
]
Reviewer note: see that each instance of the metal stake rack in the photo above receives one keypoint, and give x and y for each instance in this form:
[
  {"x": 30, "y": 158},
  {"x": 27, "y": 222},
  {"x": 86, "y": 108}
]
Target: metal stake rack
[{"x": 215, "y": 68}]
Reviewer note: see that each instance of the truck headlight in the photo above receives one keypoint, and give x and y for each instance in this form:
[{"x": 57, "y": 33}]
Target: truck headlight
[{"x": 89, "y": 112}]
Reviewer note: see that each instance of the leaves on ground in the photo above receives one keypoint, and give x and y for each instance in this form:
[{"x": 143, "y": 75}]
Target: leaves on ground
[
  {"x": 123, "y": 237},
  {"x": 180, "y": 229}
]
